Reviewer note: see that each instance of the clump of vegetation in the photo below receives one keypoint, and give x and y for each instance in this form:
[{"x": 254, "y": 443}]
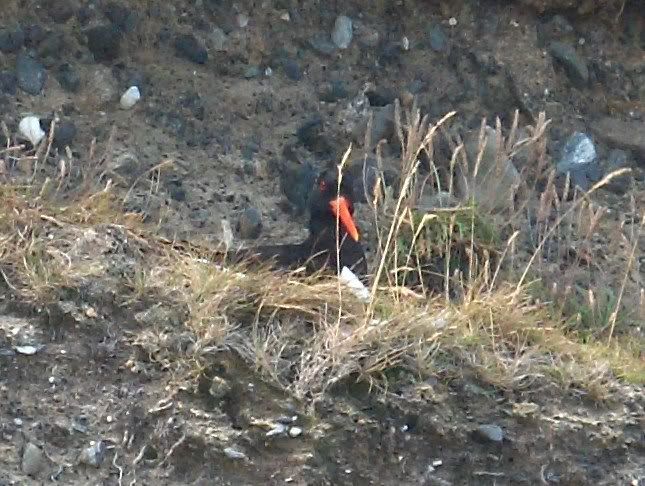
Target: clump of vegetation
[{"x": 306, "y": 334}]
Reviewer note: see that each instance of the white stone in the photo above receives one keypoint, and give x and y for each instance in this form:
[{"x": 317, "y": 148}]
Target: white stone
[
  {"x": 29, "y": 128},
  {"x": 130, "y": 97}
]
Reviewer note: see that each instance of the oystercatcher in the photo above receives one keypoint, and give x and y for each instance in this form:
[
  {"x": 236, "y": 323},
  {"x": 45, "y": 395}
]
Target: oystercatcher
[{"x": 332, "y": 233}]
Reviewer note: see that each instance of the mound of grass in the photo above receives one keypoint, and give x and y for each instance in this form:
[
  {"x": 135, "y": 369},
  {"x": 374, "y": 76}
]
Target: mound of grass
[{"x": 306, "y": 334}]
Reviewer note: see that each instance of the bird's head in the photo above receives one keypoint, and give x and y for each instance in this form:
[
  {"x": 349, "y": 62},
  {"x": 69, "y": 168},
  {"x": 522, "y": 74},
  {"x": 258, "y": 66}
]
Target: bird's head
[{"x": 330, "y": 202}]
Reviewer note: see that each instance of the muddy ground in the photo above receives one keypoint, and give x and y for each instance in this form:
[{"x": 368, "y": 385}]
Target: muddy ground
[{"x": 231, "y": 128}]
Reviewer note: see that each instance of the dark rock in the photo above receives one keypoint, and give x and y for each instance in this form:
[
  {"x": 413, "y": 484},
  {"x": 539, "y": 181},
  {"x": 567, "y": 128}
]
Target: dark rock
[
  {"x": 292, "y": 70},
  {"x": 122, "y": 17},
  {"x": 31, "y": 74},
  {"x": 559, "y": 26},
  {"x": 380, "y": 96},
  {"x": 188, "y": 47},
  {"x": 628, "y": 135},
  {"x": 389, "y": 52},
  {"x": 137, "y": 78},
  {"x": 8, "y": 82},
  {"x": 383, "y": 126},
  {"x": 177, "y": 191},
  {"x": 64, "y": 134},
  {"x": 60, "y": 11},
  {"x": 489, "y": 433},
  {"x": 69, "y": 78},
  {"x": 310, "y": 134},
  {"x": 85, "y": 14},
  {"x": 437, "y": 38},
  {"x": 618, "y": 159},
  {"x": 296, "y": 182},
  {"x": 34, "y": 34},
  {"x": 11, "y": 40},
  {"x": 332, "y": 91},
  {"x": 574, "y": 66},
  {"x": 52, "y": 45},
  {"x": 249, "y": 226},
  {"x": 104, "y": 41}
]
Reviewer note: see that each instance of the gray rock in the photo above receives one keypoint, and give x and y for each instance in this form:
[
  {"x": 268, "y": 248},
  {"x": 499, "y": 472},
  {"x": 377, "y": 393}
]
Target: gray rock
[
  {"x": 574, "y": 66},
  {"x": 93, "y": 455},
  {"x": 292, "y": 70},
  {"x": 579, "y": 161},
  {"x": 33, "y": 459},
  {"x": 69, "y": 78},
  {"x": 249, "y": 226},
  {"x": 437, "y": 38},
  {"x": 11, "y": 40},
  {"x": 104, "y": 41},
  {"x": 577, "y": 152},
  {"x": 342, "y": 34},
  {"x": 103, "y": 84},
  {"x": 218, "y": 39},
  {"x": 34, "y": 34},
  {"x": 489, "y": 433},
  {"x": 252, "y": 72},
  {"x": 322, "y": 45},
  {"x": 8, "y": 83},
  {"x": 234, "y": 454},
  {"x": 31, "y": 74},
  {"x": 188, "y": 47},
  {"x": 332, "y": 91}
]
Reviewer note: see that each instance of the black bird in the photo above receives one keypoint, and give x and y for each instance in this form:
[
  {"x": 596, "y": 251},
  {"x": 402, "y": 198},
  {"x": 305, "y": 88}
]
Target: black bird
[{"x": 332, "y": 233}]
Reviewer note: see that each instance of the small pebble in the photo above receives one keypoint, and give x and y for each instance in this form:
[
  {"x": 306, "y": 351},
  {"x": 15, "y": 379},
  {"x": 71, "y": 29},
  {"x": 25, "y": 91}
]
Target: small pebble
[{"x": 295, "y": 431}]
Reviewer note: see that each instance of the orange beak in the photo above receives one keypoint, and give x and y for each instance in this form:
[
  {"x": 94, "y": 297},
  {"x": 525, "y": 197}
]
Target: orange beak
[{"x": 340, "y": 208}]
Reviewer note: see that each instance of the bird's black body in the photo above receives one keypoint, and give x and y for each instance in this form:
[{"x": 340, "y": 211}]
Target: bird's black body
[{"x": 329, "y": 234}]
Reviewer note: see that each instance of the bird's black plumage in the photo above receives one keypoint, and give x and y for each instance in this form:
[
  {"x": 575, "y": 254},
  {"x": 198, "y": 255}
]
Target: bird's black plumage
[{"x": 330, "y": 235}]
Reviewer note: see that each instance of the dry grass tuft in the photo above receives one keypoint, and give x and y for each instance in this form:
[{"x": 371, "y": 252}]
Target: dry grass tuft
[{"x": 307, "y": 334}]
